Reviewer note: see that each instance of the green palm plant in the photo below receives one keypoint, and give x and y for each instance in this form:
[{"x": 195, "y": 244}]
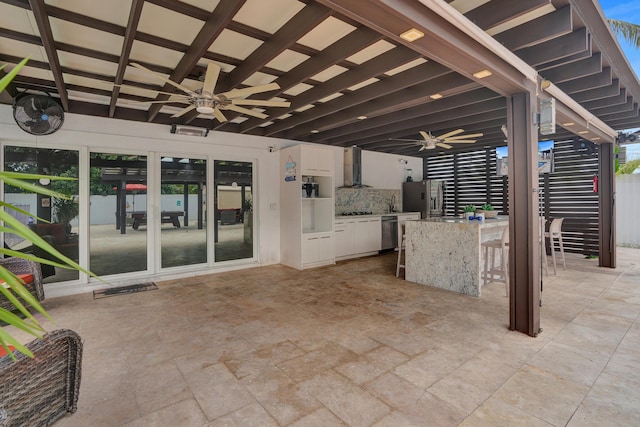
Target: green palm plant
[
  {"x": 628, "y": 31},
  {"x": 9, "y": 224}
]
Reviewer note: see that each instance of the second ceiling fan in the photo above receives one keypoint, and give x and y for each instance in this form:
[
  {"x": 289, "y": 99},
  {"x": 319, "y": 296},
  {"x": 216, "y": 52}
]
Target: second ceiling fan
[
  {"x": 205, "y": 101},
  {"x": 429, "y": 142}
]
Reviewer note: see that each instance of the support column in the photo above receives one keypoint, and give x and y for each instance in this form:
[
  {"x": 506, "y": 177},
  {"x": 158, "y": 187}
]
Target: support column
[
  {"x": 524, "y": 249},
  {"x": 606, "y": 205},
  {"x": 185, "y": 204}
]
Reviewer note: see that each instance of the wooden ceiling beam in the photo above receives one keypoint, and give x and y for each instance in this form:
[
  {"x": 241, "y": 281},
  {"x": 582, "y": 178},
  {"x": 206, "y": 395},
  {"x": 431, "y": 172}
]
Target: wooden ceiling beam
[
  {"x": 495, "y": 12},
  {"x": 540, "y": 30},
  {"x": 602, "y": 79},
  {"x": 576, "y": 70},
  {"x": 601, "y": 92},
  {"x": 134, "y": 18},
  {"x": 621, "y": 98},
  {"x": 556, "y": 49},
  {"x": 48, "y": 42}
]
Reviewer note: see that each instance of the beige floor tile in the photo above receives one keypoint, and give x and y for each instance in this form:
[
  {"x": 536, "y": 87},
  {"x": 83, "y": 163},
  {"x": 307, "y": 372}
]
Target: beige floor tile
[
  {"x": 549, "y": 397},
  {"x": 496, "y": 413},
  {"x": 320, "y": 418},
  {"x": 185, "y": 413},
  {"x": 430, "y": 366},
  {"x": 350, "y": 403},
  {"x": 218, "y": 391},
  {"x": 252, "y": 415}
]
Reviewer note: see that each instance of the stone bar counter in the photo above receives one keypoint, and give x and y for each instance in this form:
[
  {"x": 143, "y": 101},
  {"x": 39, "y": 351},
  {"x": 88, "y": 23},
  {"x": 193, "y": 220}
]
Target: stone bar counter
[{"x": 445, "y": 252}]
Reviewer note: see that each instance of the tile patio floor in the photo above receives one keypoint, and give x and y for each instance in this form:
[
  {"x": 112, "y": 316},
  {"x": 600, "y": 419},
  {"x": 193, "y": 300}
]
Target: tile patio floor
[{"x": 353, "y": 345}]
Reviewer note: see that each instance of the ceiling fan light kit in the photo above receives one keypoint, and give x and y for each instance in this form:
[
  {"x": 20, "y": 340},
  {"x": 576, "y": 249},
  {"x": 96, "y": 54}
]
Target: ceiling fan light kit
[{"x": 430, "y": 142}]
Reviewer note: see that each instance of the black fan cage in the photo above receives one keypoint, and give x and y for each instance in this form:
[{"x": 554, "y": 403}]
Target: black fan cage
[{"x": 38, "y": 114}]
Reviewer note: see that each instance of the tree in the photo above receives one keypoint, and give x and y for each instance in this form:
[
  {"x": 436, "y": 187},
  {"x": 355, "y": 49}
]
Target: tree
[
  {"x": 628, "y": 31},
  {"x": 628, "y": 167}
]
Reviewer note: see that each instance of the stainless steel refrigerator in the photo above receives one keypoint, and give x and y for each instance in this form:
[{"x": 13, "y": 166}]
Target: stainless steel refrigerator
[{"x": 427, "y": 197}]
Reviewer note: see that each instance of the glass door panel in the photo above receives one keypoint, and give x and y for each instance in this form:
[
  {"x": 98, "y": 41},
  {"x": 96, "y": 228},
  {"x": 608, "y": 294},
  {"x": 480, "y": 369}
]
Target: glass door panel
[
  {"x": 54, "y": 219},
  {"x": 234, "y": 210},
  {"x": 183, "y": 232},
  {"x": 118, "y": 213}
]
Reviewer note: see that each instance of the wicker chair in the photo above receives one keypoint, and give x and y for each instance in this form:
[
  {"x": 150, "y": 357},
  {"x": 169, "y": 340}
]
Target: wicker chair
[
  {"x": 39, "y": 391},
  {"x": 23, "y": 266}
]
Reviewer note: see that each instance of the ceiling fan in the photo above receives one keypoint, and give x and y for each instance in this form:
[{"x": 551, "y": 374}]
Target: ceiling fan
[
  {"x": 429, "y": 142},
  {"x": 205, "y": 101}
]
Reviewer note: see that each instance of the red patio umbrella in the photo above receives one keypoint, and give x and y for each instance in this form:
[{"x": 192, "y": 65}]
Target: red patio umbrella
[{"x": 134, "y": 186}]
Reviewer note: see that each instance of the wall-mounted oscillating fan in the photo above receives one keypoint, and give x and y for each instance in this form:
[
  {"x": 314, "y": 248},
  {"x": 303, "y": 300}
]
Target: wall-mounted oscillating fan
[{"x": 38, "y": 114}]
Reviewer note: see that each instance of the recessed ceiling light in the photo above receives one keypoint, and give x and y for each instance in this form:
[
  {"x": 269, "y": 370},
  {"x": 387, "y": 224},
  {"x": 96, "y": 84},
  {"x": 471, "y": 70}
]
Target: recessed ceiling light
[
  {"x": 412, "y": 35},
  {"x": 568, "y": 124},
  {"x": 315, "y": 131},
  {"x": 595, "y": 138},
  {"x": 436, "y": 96},
  {"x": 482, "y": 74},
  {"x": 361, "y": 117},
  {"x": 582, "y": 132}
]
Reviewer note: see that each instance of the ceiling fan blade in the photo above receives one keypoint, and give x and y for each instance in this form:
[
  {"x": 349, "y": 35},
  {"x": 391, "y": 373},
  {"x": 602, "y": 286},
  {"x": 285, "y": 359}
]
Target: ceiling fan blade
[
  {"x": 460, "y": 141},
  {"x": 168, "y": 101},
  {"x": 443, "y": 145},
  {"x": 417, "y": 141},
  {"x": 241, "y": 93},
  {"x": 424, "y": 147},
  {"x": 471, "y": 135},
  {"x": 164, "y": 79},
  {"x": 157, "y": 91},
  {"x": 449, "y": 134},
  {"x": 211, "y": 78},
  {"x": 218, "y": 115},
  {"x": 260, "y": 102},
  {"x": 246, "y": 111},
  {"x": 184, "y": 111},
  {"x": 425, "y": 135}
]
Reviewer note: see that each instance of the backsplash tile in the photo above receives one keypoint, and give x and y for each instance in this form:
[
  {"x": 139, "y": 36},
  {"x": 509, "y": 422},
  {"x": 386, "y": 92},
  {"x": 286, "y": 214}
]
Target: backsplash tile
[{"x": 372, "y": 200}]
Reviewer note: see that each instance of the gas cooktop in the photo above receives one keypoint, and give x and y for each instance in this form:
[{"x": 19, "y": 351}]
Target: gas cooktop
[{"x": 356, "y": 213}]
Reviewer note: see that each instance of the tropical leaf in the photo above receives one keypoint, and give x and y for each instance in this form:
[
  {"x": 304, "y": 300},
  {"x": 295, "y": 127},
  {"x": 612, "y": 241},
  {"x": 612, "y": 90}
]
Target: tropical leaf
[
  {"x": 4, "y": 82},
  {"x": 628, "y": 31}
]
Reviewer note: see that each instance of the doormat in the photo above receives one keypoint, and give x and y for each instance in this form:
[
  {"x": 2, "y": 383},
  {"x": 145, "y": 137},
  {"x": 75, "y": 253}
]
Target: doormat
[{"x": 122, "y": 290}]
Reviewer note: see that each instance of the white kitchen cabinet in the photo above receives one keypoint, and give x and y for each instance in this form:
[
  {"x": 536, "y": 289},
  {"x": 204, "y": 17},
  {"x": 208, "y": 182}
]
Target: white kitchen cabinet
[
  {"x": 317, "y": 249},
  {"x": 368, "y": 235},
  {"x": 306, "y": 231},
  {"x": 344, "y": 234},
  {"x": 316, "y": 161}
]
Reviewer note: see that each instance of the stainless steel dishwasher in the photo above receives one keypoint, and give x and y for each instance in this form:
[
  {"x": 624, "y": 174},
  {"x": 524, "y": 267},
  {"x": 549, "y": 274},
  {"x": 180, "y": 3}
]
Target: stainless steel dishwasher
[{"x": 389, "y": 232}]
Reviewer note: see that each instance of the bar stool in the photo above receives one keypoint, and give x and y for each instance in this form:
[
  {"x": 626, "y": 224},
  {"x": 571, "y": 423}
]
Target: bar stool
[
  {"x": 555, "y": 233},
  {"x": 491, "y": 271},
  {"x": 543, "y": 250}
]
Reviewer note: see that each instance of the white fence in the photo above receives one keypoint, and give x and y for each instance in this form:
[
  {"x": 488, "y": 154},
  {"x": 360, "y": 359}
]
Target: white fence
[{"x": 627, "y": 205}]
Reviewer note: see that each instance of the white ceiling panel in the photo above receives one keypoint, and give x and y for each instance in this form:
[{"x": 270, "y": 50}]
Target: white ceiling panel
[
  {"x": 526, "y": 17},
  {"x": 145, "y": 52},
  {"x": 165, "y": 23},
  {"x": 406, "y": 66},
  {"x": 464, "y": 6},
  {"x": 71, "y": 79},
  {"x": 18, "y": 19},
  {"x": 234, "y": 45},
  {"x": 305, "y": 108},
  {"x": 37, "y": 73},
  {"x": 329, "y": 73},
  {"x": 22, "y": 50},
  {"x": 89, "y": 97},
  {"x": 259, "y": 79},
  {"x": 364, "y": 83},
  {"x": 330, "y": 97},
  {"x": 297, "y": 89},
  {"x": 208, "y": 5},
  {"x": 80, "y": 62},
  {"x": 79, "y": 35},
  {"x": 267, "y": 16},
  {"x": 371, "y": 52},
  {"x": 328, "y": 32},
  {"x": 113, "y": 11},
  {"x": 287, "y": 60},
  {"x": 284, "y": 116},
  {"x": 138, "y": 91},
  {"x": 238, "y": 120}
]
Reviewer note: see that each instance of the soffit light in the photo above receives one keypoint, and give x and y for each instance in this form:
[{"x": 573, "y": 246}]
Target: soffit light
[
  {"x": 568, "y": 124},
  {"x": 436, "y": 96},
  {"x": 582, "y": 132},
  {"x": 595, "y": 138},
  {"x": 361, "y": 117},
  {"x": 412, "y": 35},
  {"x": 315, "y": 131},
  {"x": 482, "y": 74}
]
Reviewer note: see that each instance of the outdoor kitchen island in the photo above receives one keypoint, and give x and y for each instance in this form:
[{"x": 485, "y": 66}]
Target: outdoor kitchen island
[{"x": 445, "y": 252}]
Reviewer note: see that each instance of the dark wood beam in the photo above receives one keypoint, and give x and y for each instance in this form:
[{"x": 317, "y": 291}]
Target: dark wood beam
[
  {"x": 621, "y": 98},
  {"x": 303, "y": 22},
  {"x": 602, "y": 79},
  {"x": 44, "y": 28},
  {"x": 495, "y": 12},
  {"x": 613, "y": 109},
  {"x": 576, "y": 70},
  {"x": 598, "y": 93},
  {"x": 543, "y": 29},
  {"x": 218, "y": 19},
  {"x": 134, "y": 18},
  {"x": 558, "y": 48}
]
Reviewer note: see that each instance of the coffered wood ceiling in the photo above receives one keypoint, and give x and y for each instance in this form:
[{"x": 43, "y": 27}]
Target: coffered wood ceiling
[{"x": 334, "y": 60}]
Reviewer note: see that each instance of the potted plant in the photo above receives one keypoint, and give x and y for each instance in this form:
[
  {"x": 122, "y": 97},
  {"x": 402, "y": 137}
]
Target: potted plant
[
  {"x": 247, "y": 207},
  {"x": 66, "y": 209},
  {"x": 488, "y": 211},
  {"x": 469, "y": 211}
]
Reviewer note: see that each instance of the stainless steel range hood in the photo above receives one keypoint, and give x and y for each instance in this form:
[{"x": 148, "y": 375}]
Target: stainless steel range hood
[{"x": 353, "y": 167}]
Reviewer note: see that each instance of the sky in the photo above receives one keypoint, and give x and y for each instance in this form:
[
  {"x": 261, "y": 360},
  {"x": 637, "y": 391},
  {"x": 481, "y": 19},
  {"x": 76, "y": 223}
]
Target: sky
[{"x": 629, "y": 11}]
